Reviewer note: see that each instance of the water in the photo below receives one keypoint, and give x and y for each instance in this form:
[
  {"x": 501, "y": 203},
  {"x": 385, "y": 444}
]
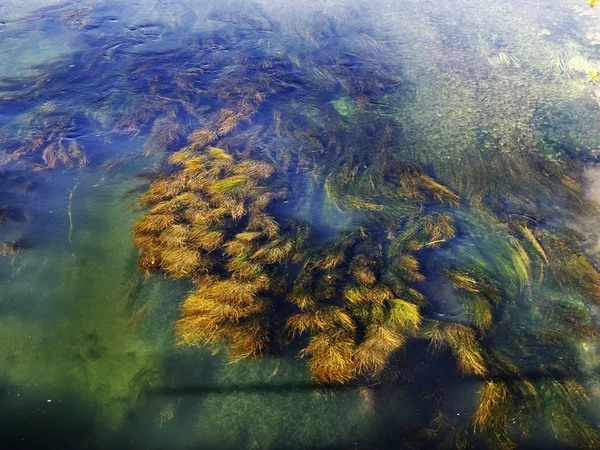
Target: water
[{"x": 486, "y": 114}]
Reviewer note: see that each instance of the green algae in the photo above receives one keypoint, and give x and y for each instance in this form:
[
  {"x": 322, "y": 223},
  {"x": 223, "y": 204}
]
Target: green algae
[
  {"x": 343, "y": 106},
  {"x": 87, "y": 349},
  {"x": 266, "y": 404},
  {"x": 461, "y": 116}
]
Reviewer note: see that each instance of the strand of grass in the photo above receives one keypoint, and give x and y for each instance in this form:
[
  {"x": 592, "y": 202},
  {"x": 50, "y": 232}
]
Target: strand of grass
[
  {"x": 71, "y": 192},
  {"x": 462, "y": 342}
]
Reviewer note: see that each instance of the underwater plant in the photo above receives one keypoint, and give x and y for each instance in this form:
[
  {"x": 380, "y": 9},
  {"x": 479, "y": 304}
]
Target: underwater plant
[
  {"x": 479, "y": 297},
  {"x": 44, "y": 146},
  {"x": 263, "y": 279},
  {"x": 209, "y": 221},
  {"x": 306, "y": 211},
  {"x": 10, "y": 249},
  {"x": 6, "y": 214}
]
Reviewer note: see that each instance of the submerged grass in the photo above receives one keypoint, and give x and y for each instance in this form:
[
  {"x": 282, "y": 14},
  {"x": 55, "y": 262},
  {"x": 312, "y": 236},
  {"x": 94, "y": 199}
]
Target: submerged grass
[
  {"x": 459, "y": 177},
  {"x": 462, "y": 342}
]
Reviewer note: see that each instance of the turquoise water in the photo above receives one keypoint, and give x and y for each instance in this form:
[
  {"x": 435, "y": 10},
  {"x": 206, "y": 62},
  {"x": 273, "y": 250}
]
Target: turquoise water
[{"x": 89, "y": 356}]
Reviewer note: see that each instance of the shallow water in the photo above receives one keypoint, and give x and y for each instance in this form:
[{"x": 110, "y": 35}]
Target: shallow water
[{"x": 498, "y": 102}]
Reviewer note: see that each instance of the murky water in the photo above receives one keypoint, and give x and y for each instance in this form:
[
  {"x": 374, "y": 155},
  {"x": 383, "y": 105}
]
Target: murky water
[{"x": 407, "y": 189}]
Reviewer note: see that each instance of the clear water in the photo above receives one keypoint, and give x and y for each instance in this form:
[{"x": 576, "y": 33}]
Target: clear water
[{"x": 88, "y": 355}]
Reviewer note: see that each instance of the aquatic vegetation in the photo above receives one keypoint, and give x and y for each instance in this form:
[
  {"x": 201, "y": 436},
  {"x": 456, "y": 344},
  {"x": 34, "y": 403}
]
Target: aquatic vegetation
[
  {"x": 379, "y": 314},
  {"x": 480, "y": 297},
  {"x": 317, "y": 203},
  {"x": 570, "y": 266},
  {"x": 46, "y": 148},
  {"x": 493, "y": 411},
  {"x": 511, "y": 407},
  {"x": 6, "y": 214},
  {"x": 462, "y": 342},
  {"x": 430, "y": 231},
  {"x": 10, "y": 249},
  {"x": 562, "y": 399},
  {"x": 215, "y": 220},
  {"x": 195, "y": 225},
  {"x": 209, "y": 221}
]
